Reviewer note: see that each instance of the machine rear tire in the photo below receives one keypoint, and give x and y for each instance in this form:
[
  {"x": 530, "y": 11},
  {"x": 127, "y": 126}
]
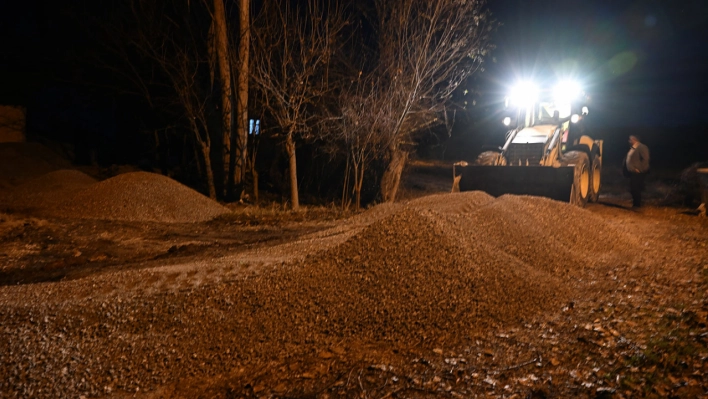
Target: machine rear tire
[
  {"x": 580, "y": 191},
  {"x": 595, "y": 178}
]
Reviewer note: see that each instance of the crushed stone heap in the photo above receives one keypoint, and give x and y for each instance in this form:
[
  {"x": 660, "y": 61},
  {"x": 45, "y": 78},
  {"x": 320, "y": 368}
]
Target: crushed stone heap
[
  {"x": 48, "y": 190},
  {"x": 447, "y": 263},
  {"x": 20, "y": 162},
  {"x": 140, "y": 197},
  {"x": 430, "y": 272}
]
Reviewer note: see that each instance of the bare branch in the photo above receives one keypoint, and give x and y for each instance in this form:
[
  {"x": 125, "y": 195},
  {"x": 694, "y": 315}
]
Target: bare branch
[{"x": 293, "y": 45}]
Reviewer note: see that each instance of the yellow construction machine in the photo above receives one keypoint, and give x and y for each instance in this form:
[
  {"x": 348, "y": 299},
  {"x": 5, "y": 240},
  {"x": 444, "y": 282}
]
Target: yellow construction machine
[{"x": 547, "y": 151}]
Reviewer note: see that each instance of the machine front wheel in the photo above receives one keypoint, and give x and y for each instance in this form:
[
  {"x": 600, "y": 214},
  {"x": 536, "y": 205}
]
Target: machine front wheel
[
  {"x": 580, "y": 191},
  {"x": 595, "y": 178}
]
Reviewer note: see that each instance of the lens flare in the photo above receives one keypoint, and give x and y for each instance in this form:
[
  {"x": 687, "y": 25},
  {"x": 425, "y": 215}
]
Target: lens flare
[
  {"x": 566, "y": 91},
  {"x": 524, "y": 94}
]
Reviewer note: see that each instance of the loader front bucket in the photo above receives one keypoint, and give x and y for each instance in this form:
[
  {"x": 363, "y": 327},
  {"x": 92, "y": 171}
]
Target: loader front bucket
[{"x": 542, "y": 181}]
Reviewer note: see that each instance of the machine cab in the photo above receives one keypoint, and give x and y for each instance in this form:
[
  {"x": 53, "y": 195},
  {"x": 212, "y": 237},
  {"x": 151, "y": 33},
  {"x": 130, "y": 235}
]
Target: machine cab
[{"x": 547, "y": 118}]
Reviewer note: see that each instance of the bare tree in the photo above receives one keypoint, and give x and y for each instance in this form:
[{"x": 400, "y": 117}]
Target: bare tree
[
  {"x": 165, "y": 54},
  {"x": 426, "y": 50},
  {"x": 292, "y": 50},
  {"x": 244, "y": 46},
  {"x": 220, "y": 37},
  {"x": 361, "y": 116},
  {"x": 235, "y": 146}
]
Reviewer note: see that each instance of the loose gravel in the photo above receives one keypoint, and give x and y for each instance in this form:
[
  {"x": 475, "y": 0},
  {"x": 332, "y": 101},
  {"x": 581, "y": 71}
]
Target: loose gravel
[
  {"x": 424, "y": 273},
  {"x": 132, "y": 197},
  {"x": 20, "y": 162},
  {"x": 48, "y": 190},
  {"x": 139, "y": 197}
]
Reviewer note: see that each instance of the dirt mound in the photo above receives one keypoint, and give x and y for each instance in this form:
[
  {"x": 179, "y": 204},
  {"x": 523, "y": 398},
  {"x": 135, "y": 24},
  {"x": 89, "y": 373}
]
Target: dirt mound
[
  {"x": 425, "y": 270},
  {"x": 455, "y": 203},
  {"x": 20, "y": 162},
  {"x": 554, "y": 236},
  {"x": 400, "y": 280},
  {"x": 408, "y": 277},
  {"x": 436, "y": 267},
  {"x": 140, "y": 197},
  {"x": 48, "y": 190},
  {"x": 426, "y": 274}
]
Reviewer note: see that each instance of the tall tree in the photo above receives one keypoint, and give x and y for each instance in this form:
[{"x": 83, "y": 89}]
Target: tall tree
[
  {"x": 239, "y": 170},
  {"x": 161, "y": 47},
  {"x": 221, "y": 45},
  {"x": 426, "y": 49},
  {"x": 293, "y": 45},
  {"x": 356, "y": 129}
]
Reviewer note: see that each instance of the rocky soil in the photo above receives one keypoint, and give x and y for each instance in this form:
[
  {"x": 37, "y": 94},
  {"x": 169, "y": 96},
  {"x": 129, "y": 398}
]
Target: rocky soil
[
  {"x": 137, "y": 286},
  {"x": 449, "y": 295},
  {"x": 132, "y": 197}
]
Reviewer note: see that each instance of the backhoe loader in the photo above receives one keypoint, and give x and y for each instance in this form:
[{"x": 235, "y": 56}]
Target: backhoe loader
[{"x": 547, "y": 151}]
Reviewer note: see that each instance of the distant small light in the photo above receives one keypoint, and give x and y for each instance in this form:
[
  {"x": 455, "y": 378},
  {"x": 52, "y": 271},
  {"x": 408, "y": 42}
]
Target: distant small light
[
  {"x": 585, "y": 111},
  {"x": 575, "y": 118},
  {"x": 507, "y": 121},
  {"x": 254, "y": 127}
]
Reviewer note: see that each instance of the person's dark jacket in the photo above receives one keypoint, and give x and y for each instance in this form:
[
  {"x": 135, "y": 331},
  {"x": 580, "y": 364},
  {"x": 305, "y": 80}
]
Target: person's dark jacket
[{"x": 639, "y": 160}]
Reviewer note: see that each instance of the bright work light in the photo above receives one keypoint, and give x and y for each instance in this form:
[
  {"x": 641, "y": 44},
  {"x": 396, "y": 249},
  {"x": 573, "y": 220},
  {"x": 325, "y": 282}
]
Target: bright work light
[
  {"x": 506, "y": 121},
  {"x": 524, "y": 94},
  {"x": 566, "y": 91}
]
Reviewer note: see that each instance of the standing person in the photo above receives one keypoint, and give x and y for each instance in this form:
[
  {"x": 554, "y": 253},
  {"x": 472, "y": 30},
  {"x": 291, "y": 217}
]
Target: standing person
[{"x": 636, "y": 166}]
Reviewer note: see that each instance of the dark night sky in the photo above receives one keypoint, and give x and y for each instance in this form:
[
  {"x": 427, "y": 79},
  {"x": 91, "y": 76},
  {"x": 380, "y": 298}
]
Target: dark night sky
[{"x": 644, "y": 61}]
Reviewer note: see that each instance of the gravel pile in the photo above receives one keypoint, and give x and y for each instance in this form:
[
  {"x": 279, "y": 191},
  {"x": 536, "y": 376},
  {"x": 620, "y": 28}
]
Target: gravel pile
[
  {"x": 20, "y": 162},
  {"x": 427, "y": 273},
  {"x": 48, "y": 190},
  {"x": 139, "y": 197},
  {"x": 458, "y": 203},
  {"x": 553, "y": 236}
]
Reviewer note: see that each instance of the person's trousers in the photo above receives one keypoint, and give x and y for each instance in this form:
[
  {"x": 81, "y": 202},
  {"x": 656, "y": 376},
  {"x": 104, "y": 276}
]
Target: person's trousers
[{"x": 636, "y": 186}]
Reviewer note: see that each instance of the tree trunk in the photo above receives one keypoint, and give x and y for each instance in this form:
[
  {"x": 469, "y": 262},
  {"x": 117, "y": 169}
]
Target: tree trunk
[
  {"x": 254, "y": 175},
  {"x": 359, "y": 183},
  {"x": 222, "y": 50},
  {"x": 197, "y": 156},
  {"x": 355, "y": 172},
  {"x": 290, "y": 148},
  {"x": 345, "y": 186},
  {"x": 208, "y": 171},
  {"x": 241, "y": 142},
  {"x": 205, "y": 147},
  {"x": 392, "y": 176}
]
